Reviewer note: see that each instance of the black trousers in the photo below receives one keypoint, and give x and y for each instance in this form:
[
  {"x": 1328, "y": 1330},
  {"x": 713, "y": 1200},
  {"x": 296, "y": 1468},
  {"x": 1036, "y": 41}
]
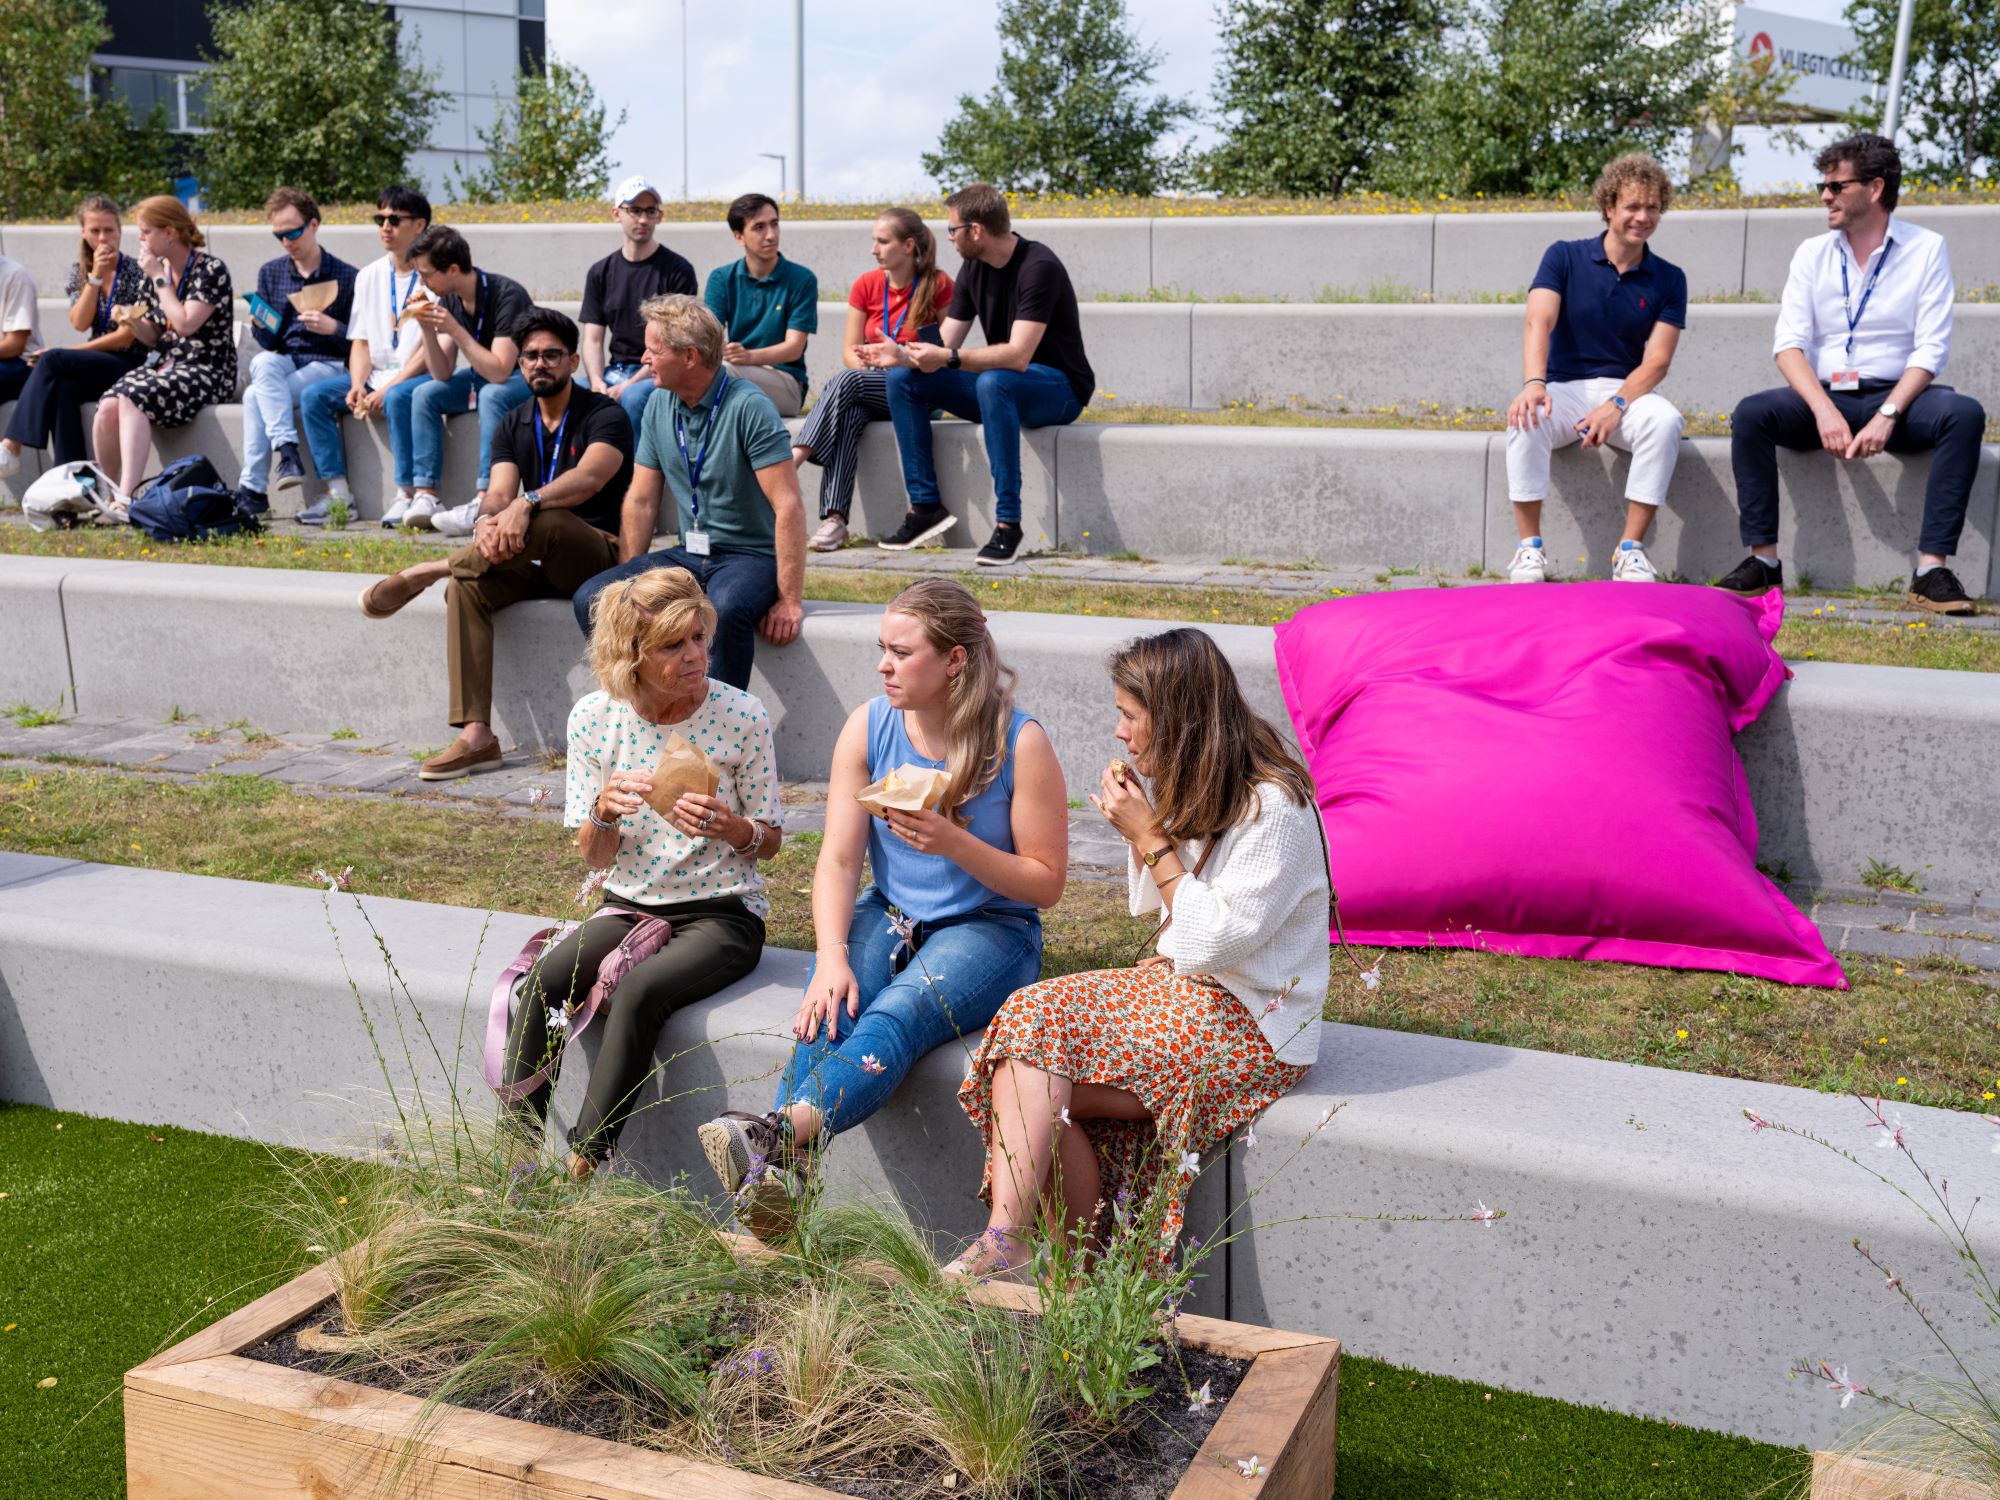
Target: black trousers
[
  {"x": 1941, "y": 422},
  {"x": 51, "y": 403},
  {"x": 714, "y": 944}
]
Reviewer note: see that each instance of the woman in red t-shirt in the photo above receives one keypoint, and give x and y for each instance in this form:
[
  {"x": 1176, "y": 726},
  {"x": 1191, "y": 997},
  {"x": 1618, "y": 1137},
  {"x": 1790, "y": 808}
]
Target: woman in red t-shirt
[{"x": 903, "y": 301}]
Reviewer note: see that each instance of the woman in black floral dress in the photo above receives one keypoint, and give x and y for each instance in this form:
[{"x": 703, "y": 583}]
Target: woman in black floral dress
[{"x": 189, "y": 324}]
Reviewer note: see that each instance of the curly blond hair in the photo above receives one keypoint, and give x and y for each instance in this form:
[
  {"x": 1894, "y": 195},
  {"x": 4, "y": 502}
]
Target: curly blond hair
[
  {"x": 1635, "y": 170},
  {"x": 660, "y": 607}
]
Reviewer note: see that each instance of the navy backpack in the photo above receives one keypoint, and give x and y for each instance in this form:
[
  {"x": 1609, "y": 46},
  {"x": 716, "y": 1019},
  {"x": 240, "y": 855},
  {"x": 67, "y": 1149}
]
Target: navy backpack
[{"x": 188, "y": 502}]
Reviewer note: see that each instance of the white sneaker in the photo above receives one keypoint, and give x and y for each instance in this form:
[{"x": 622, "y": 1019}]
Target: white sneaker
[
  {"x": 423, "y": 505},
  {"x": 456, "y": 520},
  {"x": 1629, "y": 564},
  {"x": 398, "y": 508},
  {"x": 10, "y": 462},
  {"x": 831, "y": 536},
  {"x": 1530, "y": 564}
]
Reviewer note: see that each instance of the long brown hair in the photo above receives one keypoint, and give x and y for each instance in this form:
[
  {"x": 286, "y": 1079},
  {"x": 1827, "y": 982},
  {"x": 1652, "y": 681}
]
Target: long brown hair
[
  {"x": 96, "y": 203},
  {"x": 164, "y": 211},
  {"x": 1209, "y": 749},
  {"x": 981, "y": 705},
  {"x": 926, "y": 282}
]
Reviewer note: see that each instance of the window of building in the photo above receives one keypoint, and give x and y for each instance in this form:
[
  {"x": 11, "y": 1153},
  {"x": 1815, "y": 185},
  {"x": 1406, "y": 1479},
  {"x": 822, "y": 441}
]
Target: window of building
[{"x": 183, "y": 96}]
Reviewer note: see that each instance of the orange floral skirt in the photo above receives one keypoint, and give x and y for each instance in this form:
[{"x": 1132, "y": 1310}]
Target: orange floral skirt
[{"x": 1186, "y": 1048}]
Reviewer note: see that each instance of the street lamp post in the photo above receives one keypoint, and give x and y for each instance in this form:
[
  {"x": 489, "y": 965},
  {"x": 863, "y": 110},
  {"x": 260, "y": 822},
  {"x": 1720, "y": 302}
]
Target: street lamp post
[
  {"x": 779, "y": 158},
  {"x": 799, "y": 88},
  {"x": 1898, "y": 65}
]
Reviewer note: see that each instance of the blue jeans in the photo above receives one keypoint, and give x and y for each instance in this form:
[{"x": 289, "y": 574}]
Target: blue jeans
[
  {"x": 276, "y": 381},
  {"x": 633, "y": 401},
  {"x": 321, "y": 406},
  {"x": 983, "y": 958},
  {"x": 741, "y": 585},
  {"x": 1001, "y": 401},
  {"x": 417, "y": 409}
]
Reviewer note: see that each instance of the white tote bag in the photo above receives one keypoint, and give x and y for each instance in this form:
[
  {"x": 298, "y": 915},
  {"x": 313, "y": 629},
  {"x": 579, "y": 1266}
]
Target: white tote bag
[{"x": 74, "y": 494}]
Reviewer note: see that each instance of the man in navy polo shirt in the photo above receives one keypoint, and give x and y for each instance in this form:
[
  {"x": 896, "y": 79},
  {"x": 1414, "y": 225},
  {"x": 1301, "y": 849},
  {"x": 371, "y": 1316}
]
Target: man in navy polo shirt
[
  {"x": 768, "y": 307},
  {"x": 1604, "y": 317}
]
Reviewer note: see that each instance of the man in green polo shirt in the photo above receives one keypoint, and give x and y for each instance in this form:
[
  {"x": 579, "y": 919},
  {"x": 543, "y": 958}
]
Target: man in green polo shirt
[
  {"x": 767, "y": 305},
  {"x": 716, "y": 445}
]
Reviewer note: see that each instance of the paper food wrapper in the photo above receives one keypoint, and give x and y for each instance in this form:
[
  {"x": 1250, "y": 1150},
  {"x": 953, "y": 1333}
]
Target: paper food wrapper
[
  {"x": 415, "y": 305},
  {"x": 315, "y": 297},
  {"x": 908, "y": 788},
  {"x": 682, "y": 769},
  {"x": 128, "y": 313}
]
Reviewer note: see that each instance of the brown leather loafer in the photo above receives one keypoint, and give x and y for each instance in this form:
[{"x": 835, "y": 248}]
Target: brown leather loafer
[
  {"x": 384, "y": 597},
  {"x": 459, "y": 760}
]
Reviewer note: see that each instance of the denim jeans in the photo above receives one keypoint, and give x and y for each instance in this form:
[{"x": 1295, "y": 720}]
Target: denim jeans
[
  {"x": 979, "y": 960},
  {"x": 1001, "y": 401},
  {"x": 741, "y": 585},
  {"x": 321, "y": 406},
  {"x": 417, "y": 409},
  {"x": 276, "y": 381},
  {"x": 634, "y": 400}
]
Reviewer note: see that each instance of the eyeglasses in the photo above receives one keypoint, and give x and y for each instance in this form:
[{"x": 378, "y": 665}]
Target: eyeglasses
[
  {"x": 543, "y": 356},
  {"x": 390, "y": 221},
  {"x": 952, "y": 231},
  {"x": 286, "y": 236},
  {"x": 1837, "y": 185},
  {"x": 642, "y": 213}
]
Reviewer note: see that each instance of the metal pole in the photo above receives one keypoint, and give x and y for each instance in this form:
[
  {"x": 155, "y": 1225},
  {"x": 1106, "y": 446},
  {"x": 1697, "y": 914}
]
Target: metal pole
[
  {"x": 1893, "y": 116},
  {"x": 779, "y": 158},
  {"x": 684, "y": 101},
  {"x": 799, "y": 90}
]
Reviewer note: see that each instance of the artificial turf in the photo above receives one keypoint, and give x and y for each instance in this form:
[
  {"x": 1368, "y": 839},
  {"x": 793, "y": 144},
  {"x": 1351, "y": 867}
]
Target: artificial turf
[{"x": 116, "y": 1240}]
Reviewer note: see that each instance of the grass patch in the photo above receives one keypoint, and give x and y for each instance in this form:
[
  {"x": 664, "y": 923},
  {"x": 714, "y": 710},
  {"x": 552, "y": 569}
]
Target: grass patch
[
  {"x": 27, "y": 716},
  {"x": 1932, "y": 1026}
]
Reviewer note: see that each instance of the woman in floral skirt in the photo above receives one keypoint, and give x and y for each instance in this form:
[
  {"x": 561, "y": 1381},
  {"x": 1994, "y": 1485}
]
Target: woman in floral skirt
[{"x": 1094, "y": 1085}]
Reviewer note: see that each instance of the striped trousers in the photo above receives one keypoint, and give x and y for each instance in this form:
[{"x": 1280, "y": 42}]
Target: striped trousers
[{"x": 847, "y": 404}]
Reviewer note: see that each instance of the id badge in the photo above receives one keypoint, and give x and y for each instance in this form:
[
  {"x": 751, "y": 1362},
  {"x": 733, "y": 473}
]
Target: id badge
[
  {"x": 696, "y": 542},
  {"x": 1845, "y": 380}
]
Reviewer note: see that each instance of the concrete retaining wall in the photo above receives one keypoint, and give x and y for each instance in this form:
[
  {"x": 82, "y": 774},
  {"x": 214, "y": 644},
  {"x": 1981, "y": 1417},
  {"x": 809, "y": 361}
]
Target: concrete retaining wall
[{"x": 1656, "y": 1256}]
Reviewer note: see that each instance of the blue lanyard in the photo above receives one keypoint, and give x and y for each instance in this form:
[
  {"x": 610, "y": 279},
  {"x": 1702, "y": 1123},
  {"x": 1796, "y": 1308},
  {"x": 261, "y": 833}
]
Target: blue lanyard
[
  {"x": 395, "y": 311},
  {"x": 100, "y": 323},
  {"x": 479, "y": 328},
  {"x": 1854, "y": 314},
  {"x": 549, "y": 463},
  {"x": 888, "y": 332},
  {"x": 694, "y": 465}
]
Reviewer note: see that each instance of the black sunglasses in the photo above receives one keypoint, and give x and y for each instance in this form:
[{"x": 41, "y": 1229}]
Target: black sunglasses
[
  {"x": 389, "y": 221},
  {"x": 1837, "y": 185},
  {"x": 288, "y": 235}
]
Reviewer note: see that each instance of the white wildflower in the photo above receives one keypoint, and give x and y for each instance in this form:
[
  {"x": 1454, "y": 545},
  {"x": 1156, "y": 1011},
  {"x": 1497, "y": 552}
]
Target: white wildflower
[
  {"x": 870, "y": 1063},
  {"x": 1201, "y": 1400},
  {"x": 1250, "y": 1468},
  {"x": 1190, "y": 1164}
]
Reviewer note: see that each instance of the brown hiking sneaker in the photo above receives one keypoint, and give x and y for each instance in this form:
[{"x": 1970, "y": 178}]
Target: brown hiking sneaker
[
  {"x": 459, "y": 760},
  {"x": 756, "y": 1163}
]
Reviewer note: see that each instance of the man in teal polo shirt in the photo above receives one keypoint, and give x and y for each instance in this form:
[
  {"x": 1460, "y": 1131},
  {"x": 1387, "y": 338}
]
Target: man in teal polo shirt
[
  {"x": 768, "y": 307},
  {"x": 716, "y": 444}
]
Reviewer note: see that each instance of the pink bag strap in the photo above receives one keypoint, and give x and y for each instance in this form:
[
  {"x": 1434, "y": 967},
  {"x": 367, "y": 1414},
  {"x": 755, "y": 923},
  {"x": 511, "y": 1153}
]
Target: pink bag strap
[{"x": 646, "y": 937}]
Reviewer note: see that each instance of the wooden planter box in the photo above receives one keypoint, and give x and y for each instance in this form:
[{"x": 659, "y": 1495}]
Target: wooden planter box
[
  {"x": 201, "y": 1421},
  {"x": 1837, "y": 1477}
]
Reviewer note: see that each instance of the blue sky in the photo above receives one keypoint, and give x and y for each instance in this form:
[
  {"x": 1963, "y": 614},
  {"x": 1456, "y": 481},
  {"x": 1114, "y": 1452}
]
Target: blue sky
[{"x": 880, "y": 83}]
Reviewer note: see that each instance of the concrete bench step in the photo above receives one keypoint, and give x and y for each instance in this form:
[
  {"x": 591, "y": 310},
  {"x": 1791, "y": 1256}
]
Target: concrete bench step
[
  {"x": 1848, "y": 764},
  {"x": 1656, "y": 1256}
]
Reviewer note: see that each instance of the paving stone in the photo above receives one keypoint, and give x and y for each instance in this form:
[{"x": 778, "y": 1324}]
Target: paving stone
[
  {"x": 370, "y": 775},
  {"x": 1961, "y": 923},
  {"x": 262, "y": 765},
  {"x": 1844, "y": 914},
  {"x": 192, "y": 762},
  {"x": 1906, "y": 947},
  {"x": 305, "y": 739}
]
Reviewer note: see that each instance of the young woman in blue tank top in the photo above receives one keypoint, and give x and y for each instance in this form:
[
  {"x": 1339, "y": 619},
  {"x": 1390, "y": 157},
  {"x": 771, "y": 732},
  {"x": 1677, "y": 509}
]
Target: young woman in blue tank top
[{"x": 951, "y": 925}]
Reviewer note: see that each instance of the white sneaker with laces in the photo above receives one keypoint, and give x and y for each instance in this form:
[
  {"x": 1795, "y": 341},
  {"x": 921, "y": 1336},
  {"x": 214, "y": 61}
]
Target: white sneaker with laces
[
  {"x": 398, "y": 508},
  {"x": 1629, "y": 564},
  {"x": 423, "y": 505},
  {"x": 1530, "y": 564},
  {"x": 456, "y": 520},
  {"x": 831, "y": 536}
]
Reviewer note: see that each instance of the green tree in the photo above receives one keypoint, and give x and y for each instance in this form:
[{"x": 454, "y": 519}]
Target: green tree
[
  {"x": 1951, "y": 90},
  {"x": 551, "y": 142},
  {"x": 1534, "y": 96},
  {"x": 1309, "y": 90},
  {"x": 320, "y": 94},
  {"x": 1069, "y": 112},
  {"x": 57, "y": 142}
]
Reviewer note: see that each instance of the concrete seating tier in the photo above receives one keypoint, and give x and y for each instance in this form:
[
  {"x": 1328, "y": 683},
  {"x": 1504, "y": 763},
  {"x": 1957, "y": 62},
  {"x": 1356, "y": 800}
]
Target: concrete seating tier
[
  {"x": 1723, "y": 251},
  {"x": 1656, "y": 1256},
  {"x": 1848, "y": 764}
]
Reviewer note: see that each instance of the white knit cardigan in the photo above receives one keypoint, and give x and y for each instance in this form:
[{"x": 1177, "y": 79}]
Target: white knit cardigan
[{"x": 1254, "y": 920}]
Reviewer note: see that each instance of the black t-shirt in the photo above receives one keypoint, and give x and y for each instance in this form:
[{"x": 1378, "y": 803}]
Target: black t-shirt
[
  {"x": 614, "y": 288},
  {"x": 591, "y": 418},
  {"x": 503, "y": 302},
  {"x": 1034, "y": 287}
]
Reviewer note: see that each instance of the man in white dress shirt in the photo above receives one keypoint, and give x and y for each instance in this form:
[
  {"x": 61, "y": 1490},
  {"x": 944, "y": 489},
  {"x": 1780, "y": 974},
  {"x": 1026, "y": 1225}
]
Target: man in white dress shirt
[{"x": 1864, "y": 331}]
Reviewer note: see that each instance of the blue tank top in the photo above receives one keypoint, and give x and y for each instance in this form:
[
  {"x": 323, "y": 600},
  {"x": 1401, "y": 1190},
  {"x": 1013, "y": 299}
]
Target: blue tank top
[{"x": 930, "y": 887}]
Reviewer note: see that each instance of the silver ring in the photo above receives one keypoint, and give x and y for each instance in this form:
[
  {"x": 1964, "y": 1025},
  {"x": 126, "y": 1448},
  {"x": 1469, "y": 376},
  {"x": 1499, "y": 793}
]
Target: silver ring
[{"x": 707, "y": 818}]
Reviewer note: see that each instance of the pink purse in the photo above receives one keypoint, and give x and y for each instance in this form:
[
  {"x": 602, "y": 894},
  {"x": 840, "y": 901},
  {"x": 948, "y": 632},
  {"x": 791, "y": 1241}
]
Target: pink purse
[{"x": 646, "y": 937}]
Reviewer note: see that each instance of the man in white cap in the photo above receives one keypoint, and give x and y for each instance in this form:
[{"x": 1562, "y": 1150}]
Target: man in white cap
[{"x": 614, "y": 335}]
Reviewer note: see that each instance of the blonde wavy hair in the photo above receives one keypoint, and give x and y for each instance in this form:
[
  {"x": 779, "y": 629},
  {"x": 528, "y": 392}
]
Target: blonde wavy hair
[
  {"x": 164, "y": 211},
  {"x": 635, "y": 616},
  {"x": 981, "y": 706},
  {"x": 686, "y": 323}
]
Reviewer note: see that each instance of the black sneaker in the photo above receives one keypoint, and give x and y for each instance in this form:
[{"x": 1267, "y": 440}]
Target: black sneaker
[
  {"x": 291, "y": 473},
  {"x": 1753, "y": 576},
  {"x": 251, "y": 502},
  {"x": 924, "y": 523},
  {"x": 1003, "y": 548},
  {"x": 1939, "y": 591}
]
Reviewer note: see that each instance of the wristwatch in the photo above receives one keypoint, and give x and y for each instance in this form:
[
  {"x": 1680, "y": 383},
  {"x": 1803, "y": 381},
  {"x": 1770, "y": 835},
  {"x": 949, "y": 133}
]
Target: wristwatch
[
  {"x": 1889, "y": 409},
  {"x": 1153, "y": 856},
  {"x": 96, "y": 282},
  {"x": 951, "y": 360},
  {"x": 1619, "y": 402},
  {"x": 534, "y": 499}
]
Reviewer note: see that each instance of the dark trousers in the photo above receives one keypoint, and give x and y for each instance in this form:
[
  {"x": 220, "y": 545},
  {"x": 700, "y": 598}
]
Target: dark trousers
[
  {"x": 741, "y": 585},
  {"x": 13, "y": 376},
  {"x": 53, "y": 395},
  {"x": 1941, "y": 422},
  {"x": 714, "y": 944}
]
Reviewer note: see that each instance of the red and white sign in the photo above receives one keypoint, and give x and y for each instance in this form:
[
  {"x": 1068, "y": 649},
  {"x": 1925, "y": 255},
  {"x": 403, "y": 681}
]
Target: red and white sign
[{"x": 1829, "y": 77}]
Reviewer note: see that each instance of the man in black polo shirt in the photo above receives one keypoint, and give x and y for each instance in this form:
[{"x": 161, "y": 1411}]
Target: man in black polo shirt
[
  {"x": 1605, "y": 315},
  {"x": 1032, "y": 372},
  {"x": 614, "y": 290},
  {"x": 549, "y": 524}
]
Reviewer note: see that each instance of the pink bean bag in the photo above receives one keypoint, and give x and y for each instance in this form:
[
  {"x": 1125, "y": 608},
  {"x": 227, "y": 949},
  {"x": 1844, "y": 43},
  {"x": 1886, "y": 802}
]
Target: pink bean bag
[{"x": 1548, "y": 771}]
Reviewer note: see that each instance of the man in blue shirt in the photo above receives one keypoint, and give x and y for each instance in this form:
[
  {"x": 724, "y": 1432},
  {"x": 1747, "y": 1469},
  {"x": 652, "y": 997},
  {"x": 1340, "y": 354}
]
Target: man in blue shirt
[
  {"x": 713, "y": 441},
  {"x": 300, "y": 347},
  {"x": 1604, "y": 317},
  {"x": 768, "y": 306}
]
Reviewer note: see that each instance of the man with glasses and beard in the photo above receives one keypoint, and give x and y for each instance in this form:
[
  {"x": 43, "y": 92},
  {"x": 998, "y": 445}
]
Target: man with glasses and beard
[
  {"x": 1863, "y": 334},
  {"x": 548, "y": 524}
]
